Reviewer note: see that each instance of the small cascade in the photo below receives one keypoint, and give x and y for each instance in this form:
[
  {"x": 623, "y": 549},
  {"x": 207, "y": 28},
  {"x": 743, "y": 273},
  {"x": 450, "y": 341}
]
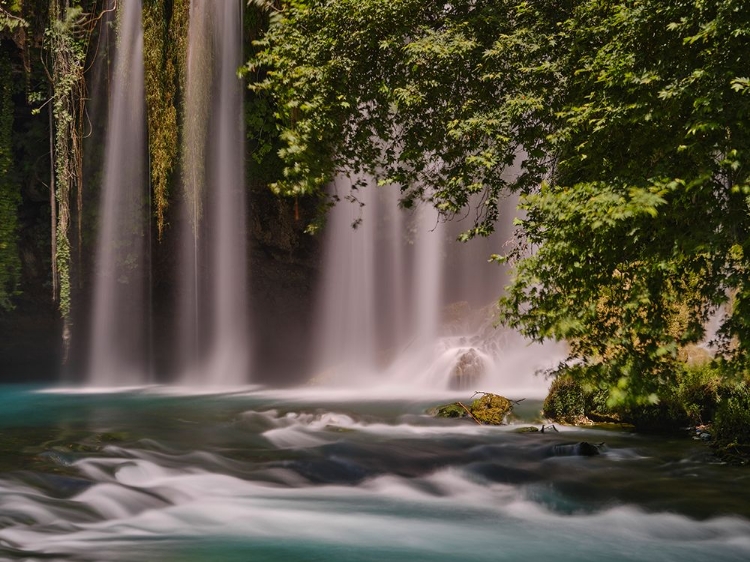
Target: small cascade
[
  {"x": 213, "y": 322},
  {"x": 120, "y": 322}
]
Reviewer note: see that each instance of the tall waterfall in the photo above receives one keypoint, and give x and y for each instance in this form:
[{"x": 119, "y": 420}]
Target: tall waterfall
[
  {"x": 213, "y": 321},
  {"x": 120, "y": 323}
]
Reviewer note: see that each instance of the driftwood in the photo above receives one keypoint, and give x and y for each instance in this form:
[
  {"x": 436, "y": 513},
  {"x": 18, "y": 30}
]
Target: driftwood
[{"x": 469, "y": 412}]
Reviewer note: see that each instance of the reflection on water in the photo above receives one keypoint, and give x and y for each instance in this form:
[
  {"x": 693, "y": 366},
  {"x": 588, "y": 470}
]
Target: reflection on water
[{"x": 145, "y": 475}]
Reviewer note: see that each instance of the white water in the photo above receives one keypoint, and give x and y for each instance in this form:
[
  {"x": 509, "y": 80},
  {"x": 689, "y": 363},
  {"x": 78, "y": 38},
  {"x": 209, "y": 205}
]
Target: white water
[
  {"x": 238, "y": 478},
  {"x": 120, "y": 323},
  {"x": 214, "y": 333}
]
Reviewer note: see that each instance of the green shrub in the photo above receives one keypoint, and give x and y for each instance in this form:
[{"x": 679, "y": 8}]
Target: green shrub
[
  {"x": 732, "y": 421},
  {"x": 690, "y": 398},
  {"x": 566, "y": 401},
  {"x": 699, "y": 389}
]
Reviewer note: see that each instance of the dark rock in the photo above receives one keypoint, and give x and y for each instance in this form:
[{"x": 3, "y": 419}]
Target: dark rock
[{"x": 581, "y": 449}]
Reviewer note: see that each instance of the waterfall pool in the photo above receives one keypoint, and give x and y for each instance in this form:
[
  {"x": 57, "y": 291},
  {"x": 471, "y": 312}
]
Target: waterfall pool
[{"x": 260, "y": 475}]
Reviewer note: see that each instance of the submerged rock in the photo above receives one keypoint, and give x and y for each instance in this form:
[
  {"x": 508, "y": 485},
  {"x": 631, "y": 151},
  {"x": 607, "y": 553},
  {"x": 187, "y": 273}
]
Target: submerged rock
[
  {"x": 467, "y": 371},
  {"x": 491, "y": 409},
  {"x": 581, "y": 449}
]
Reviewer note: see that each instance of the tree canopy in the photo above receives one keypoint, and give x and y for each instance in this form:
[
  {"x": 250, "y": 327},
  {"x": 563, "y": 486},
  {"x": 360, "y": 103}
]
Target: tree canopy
[{"x": 629, "y": 121}]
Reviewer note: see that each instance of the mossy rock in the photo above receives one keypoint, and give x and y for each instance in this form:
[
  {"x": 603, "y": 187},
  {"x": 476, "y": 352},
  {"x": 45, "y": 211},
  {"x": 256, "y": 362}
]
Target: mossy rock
[
  {"x": 448, "y": 411},
  {"x": 491, "y": 409},
  {"x": 527, "y": 429}
]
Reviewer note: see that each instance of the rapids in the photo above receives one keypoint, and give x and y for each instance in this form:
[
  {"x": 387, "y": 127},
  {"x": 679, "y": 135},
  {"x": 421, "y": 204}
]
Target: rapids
[{"x": 164, "y": 474}]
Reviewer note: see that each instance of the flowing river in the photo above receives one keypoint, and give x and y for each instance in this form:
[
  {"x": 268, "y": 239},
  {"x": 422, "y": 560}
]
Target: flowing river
[{"x": 259, "y": 475}]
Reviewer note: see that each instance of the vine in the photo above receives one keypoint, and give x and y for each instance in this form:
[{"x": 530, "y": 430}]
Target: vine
[{"x": 67, "y": 39}]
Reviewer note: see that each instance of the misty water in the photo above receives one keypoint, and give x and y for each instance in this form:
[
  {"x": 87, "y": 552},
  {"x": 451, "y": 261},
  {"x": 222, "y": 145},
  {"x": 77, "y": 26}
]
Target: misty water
[{"x": 157, "y": 474}]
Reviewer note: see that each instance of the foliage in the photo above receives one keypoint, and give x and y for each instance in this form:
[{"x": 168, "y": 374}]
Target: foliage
[
  {"x": 647, "y": 213},
  {"x": 453, "y": 410},
  {"x": 10, "y": 264},
  {"x": 430, "y": 96},
  {"x": 10, "y": 16},
  {"x": 629, "y": 124},
  {"x": 574, "y": 398},
  {"x": 732, "y": 424},
  {"x": 68, "y": 54}
]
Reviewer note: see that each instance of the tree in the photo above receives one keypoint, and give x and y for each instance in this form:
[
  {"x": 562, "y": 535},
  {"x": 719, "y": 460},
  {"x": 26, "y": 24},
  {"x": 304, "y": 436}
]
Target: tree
[
  {"x": 630, "y": 123},
  {"x": 643, "y": 232},
  {"x": 434, "y": 97}
]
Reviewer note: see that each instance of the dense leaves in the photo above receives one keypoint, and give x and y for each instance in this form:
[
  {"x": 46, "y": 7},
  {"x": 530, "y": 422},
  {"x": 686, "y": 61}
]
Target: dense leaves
[
  {"x": 629, "y": 121},
  {"x": 642, "y": 234},
  {"x": 427, "y": 95}
]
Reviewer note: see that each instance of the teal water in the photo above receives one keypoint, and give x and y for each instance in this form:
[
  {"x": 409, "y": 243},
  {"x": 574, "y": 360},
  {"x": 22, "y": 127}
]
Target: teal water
[{"x": 153, "y": 474}]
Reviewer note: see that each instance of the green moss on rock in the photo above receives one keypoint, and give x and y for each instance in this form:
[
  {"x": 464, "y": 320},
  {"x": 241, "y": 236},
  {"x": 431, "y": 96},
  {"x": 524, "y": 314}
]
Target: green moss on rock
[
  {"x": 448, "y": 411},
  {"x": 491, "y": 409}
]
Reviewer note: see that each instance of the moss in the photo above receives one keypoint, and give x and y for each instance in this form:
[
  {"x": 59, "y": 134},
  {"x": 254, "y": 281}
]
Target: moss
[
  {"x": 448, "y": 411},
  {"x": 491, "y": 409}
]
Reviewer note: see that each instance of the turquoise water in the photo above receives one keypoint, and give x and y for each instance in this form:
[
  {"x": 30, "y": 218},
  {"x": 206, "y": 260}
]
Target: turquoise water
[{"x": 273, "y": 476}]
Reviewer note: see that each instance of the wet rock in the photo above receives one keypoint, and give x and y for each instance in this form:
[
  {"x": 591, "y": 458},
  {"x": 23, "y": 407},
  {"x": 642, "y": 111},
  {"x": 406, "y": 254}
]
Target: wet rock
[
  {"x": 467, "y": 371},
  {"x": 491, "y": 409},
  {"x": 448, "y": 411},
  {"x": 581, "y": 449},
  {"x": 527, "y": 429}
]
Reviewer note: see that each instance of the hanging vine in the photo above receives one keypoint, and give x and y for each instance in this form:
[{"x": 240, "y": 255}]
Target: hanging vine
[
  {"x": 162, "y": 73},
  {"x": 66, "y": 40}
]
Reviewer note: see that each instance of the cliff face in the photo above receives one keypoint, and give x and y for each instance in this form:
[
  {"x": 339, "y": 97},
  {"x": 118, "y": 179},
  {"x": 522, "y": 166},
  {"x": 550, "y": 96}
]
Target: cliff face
[
  {"x": 283, "y": 259},
  {"x": 283, "y": 264}
]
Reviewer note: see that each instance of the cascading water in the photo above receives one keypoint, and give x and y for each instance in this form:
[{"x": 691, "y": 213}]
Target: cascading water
[
  {"x": 213, "y": 308},
  {"x": 402, "y": 304},
  {"x": 120, "y": 334},
  {"x": 346, "y": 343}
]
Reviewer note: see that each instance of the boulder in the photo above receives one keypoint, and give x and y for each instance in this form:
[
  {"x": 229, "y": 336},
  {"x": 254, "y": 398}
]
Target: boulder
[
  {"x": 453, "y": 410},
  {"x": 467, "y": 371},
  {"x": 491, "y": 409}
]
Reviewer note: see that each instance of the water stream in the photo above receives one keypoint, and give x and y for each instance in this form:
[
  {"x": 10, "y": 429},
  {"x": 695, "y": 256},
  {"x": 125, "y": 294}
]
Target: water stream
[
  {"x": 289, "y": 476},
  {"x": 213, "y": 324}
]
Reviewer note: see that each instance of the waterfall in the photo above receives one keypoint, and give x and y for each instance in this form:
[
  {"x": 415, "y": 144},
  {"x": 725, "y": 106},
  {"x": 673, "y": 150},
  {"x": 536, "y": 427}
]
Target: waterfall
[
  {"x": 120, "y": 323},
  {"x": 402, "y": 304},
  {"x": 345, "y": 343},
  {"x": 213, "y": 323}
]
